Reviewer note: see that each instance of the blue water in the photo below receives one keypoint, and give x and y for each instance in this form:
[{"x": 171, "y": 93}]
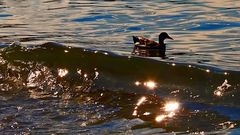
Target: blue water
[
  {"x": 217, "y": 25},
  {"x": 62, "y": 88}
]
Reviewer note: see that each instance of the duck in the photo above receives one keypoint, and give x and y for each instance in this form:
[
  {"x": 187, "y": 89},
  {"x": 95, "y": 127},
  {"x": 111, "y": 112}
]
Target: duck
[
  {"x": 144, "y": 43},
  {"x": 150, "y": 48}
]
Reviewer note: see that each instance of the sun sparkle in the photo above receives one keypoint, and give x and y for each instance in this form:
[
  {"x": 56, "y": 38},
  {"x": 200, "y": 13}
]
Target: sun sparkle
[
  {"x": 171, "y": 106},
  {"x": 62, "y": 72},
  {"x": 141, "y": 100},
  {"x": 137, "y": 83},
  {"x": 150, "y": 84},
  {"x": 160, "y": 118}
]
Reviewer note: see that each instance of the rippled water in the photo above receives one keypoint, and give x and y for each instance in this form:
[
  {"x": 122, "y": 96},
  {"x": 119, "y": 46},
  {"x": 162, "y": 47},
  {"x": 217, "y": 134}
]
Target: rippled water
[
  {"x": 207, "y": 32},
  {"x": 62, "y": 88}
]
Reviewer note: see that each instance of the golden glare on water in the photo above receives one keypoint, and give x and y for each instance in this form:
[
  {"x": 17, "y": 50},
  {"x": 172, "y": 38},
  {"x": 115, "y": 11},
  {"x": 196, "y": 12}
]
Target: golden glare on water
[
  {"x": 140, "y": 101},
  {"x": 62, "y": 72},
  {"x": 96, "y": 74},
  {"x": 222, "y": 89},
  {"x": 171, "y": 114},
  {"x": 146, "y": 113},
  {"x": 150, "y": 84},
  {"x": 160, "y": 118},
  {"x": 171, "y": 106},
  {"x": 79, "y": 71},
  {"x": 134, "y": 113},
  {"x": 218, "y": 93},
  {"x": 137, "y": 83}
]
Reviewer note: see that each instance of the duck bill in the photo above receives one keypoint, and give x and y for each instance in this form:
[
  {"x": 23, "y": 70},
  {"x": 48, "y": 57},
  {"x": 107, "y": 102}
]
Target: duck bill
[{"x": 170, "y": 37}]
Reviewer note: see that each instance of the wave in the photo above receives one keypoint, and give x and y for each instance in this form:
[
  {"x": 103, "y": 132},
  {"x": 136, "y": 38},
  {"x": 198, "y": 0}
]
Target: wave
[
  {"x": 77, "y": 66},
  {"x": 52, "y": 70}
]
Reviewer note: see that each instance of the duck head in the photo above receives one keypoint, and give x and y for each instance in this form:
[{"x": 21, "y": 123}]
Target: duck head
[{"x": 163, "y": 36}]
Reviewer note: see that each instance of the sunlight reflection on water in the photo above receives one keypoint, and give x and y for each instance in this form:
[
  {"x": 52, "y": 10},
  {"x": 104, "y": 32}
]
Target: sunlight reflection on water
[{"x": 205, "y": 32}]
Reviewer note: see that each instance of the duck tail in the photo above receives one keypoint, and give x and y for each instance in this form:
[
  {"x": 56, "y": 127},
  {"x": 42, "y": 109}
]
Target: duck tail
[{"x": 135, "y": 39}]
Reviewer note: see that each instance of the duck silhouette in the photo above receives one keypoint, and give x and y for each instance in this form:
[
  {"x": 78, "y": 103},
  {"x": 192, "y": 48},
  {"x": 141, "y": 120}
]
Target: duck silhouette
[{"x": 150, "y": 48}]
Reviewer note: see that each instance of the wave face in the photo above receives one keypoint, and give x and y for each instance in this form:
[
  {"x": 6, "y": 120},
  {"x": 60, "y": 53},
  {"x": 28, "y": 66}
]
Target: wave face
[
  {"x": 204, "y": 32},
  {"x": 52, "y": 88}
]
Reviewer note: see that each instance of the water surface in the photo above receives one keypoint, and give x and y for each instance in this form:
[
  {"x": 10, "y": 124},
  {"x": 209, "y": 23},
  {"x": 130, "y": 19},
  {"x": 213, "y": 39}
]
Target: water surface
[{"x": 87, "y": 82}]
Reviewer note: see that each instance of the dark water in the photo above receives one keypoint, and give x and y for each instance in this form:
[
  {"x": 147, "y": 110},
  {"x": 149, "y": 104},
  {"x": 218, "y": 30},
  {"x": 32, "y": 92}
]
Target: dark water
[{"x": 90, "y": 83}]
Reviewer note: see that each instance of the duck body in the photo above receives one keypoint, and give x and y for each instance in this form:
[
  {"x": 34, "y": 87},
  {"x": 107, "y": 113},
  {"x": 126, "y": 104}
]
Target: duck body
[
  {"x": 142, "y": 44},
  {"x": 140, "y": 41}
]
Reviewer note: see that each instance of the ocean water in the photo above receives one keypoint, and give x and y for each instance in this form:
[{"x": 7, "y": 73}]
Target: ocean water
[{"x": 66, "y": 67}]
